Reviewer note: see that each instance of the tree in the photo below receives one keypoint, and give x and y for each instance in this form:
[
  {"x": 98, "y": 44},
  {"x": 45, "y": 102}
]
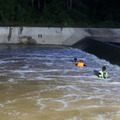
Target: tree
[
  {"x": 68, "y": 4},
  {"x": 32, "y": 1}
]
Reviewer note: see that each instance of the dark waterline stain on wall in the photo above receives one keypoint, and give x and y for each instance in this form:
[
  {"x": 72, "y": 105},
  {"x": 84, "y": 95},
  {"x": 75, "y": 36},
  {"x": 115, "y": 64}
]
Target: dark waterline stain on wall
[{"x": 10, "y": 33}]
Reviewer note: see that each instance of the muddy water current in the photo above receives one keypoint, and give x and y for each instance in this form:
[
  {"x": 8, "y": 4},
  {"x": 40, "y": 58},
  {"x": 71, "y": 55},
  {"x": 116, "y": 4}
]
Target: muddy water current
[{"x": 42, "y": 83}]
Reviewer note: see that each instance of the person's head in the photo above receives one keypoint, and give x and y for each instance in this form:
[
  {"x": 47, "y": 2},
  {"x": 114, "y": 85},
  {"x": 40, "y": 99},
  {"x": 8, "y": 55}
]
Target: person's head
[
  {"x": 104, "y": 68},
  {"x": 75, "y": 59},
  {"x": 81, "y": 61}
]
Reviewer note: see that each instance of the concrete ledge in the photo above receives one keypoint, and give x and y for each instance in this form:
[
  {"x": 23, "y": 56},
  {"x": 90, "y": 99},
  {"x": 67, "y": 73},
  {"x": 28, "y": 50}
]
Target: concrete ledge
[{"x": 56, "y": 36}]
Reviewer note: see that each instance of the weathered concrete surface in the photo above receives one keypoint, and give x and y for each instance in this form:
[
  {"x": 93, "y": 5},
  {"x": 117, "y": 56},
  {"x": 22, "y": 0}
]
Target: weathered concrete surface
[{"x": 56, "y": 35}]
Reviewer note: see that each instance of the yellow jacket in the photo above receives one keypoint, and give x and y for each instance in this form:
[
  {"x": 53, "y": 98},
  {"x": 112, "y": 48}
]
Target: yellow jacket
[
  {"x": 80, "y": 64},
  {"x": 103, "y": 74}
]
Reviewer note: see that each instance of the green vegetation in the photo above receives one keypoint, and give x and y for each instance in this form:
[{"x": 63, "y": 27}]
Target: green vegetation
[{"x": 62, "y": 13}]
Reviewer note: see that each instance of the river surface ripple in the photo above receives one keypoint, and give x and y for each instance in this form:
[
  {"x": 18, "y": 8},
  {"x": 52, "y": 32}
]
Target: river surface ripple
[{"x": 42, "y": 83}]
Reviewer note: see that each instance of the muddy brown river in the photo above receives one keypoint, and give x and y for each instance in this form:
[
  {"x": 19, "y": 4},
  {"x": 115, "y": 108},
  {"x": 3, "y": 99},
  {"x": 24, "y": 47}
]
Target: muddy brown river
[{"x": 43, "y": 83}]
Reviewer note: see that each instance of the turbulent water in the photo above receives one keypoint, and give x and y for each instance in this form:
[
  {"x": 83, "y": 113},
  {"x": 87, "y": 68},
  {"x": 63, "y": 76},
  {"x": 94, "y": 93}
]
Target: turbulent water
[
  {"x": 42, "y": 83},
  {"x": 107, "y": 51}
]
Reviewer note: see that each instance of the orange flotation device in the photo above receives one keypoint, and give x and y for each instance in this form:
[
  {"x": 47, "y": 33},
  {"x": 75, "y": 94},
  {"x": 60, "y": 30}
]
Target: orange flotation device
[{"x": 80, "y": 64}]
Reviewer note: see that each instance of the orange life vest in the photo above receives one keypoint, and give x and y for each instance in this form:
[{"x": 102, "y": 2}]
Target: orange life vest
[{"x": 80, "y": 64}]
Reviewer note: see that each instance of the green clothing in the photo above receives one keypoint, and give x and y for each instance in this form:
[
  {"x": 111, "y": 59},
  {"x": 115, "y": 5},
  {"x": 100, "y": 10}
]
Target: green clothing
[{"x": 103, "y": 74}]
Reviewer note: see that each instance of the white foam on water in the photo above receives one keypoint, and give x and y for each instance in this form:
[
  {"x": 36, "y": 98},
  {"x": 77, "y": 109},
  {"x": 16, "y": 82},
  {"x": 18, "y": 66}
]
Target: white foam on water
[
  {"x": 2, "y": 105},
  {"x": 97, "y": 96},
  {"x": 75, "y": 118},
  {"x": 114, "y": 83},
  {"x": 51, "y": 70},
  {"x": 90, "y": 106},
  {"x": 65, "y": 104},
  {"x": 100, "y": 117},
  {"x": 10, "y": 101},
  {"x": 24, "y": 71},
  {"x": 22, "y": 75},
  {"x": 43, "y": 78},
  {"x": 64, "y": 76},
  {"x": 11, "y": 80},
  {"x": 3, "y": 62},
  {"x": 72, "y": 97},
  {"x": 42, "y": 105},
  {"x": 26, "y": 66},
  {"x": 49, "y": 64},
  {"x": 68, "y": 87},
  {"x": 14, "y": 113}
]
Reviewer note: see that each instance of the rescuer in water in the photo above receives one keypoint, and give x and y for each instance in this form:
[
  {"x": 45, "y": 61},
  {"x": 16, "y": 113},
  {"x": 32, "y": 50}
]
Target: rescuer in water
[
  {"x": 80, "y": 64},
  {"x": 103, "y": 74},
  {"x": 75, "y": 60}
]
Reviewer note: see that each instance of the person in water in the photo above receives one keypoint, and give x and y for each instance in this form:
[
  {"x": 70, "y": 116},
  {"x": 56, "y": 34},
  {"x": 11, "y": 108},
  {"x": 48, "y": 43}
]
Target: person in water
[
  {"x": 75, "y": 60},
  {"x": 80, "y": 63},
  {"x": 103, "y": 74}
]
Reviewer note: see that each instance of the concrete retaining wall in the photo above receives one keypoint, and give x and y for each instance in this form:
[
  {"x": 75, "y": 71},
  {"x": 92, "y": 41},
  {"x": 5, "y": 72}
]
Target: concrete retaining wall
[{"x": 55, "y": 36}]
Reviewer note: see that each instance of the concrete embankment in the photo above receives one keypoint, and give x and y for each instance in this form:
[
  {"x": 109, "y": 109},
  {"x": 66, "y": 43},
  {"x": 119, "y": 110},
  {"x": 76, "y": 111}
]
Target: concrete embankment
[{"x": 56, "y": 35}]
